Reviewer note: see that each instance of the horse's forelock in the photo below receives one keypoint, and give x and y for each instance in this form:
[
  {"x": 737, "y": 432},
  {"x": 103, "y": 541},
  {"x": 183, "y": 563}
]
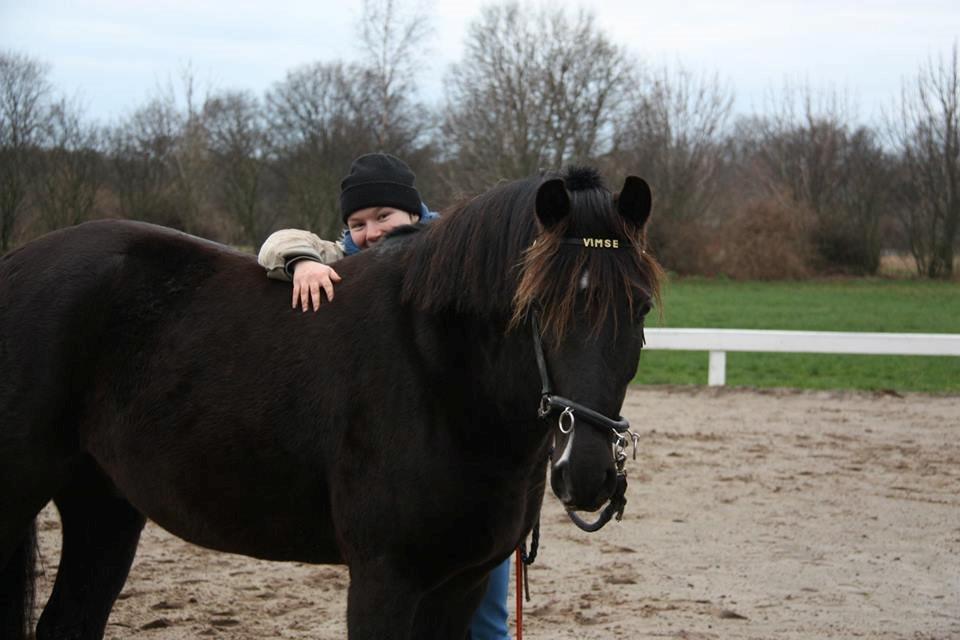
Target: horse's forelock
[{"x": 552, "y": 270}]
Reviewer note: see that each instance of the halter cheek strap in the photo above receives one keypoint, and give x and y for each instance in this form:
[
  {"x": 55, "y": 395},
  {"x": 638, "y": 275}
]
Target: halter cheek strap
[{"x": 550, "y": 403}]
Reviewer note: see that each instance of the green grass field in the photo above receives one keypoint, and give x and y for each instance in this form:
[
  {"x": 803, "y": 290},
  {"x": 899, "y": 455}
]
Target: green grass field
[{"x": 905, "y": 306}]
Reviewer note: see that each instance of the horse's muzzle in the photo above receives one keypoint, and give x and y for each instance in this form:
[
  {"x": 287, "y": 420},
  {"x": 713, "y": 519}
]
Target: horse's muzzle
[{"x": 585, "y": 490}]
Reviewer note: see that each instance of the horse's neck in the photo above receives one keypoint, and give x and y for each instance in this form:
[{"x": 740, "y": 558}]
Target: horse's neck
[
  {"x": 470, "y": 359},
  {"x": 497, "y": 370}
]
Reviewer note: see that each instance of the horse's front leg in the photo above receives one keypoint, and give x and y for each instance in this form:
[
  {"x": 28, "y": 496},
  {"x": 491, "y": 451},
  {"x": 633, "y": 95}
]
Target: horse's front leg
[
  {"x": 381, "y": 602},
  {"x": 446, "y": 612}
]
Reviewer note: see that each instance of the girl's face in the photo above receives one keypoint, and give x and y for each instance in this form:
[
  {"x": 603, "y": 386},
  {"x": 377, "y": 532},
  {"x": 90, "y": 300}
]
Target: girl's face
[{"x": 368, "y": 226}]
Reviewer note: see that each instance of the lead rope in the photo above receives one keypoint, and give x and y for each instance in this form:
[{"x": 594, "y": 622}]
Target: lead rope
[{"x": 524, "y": 560}]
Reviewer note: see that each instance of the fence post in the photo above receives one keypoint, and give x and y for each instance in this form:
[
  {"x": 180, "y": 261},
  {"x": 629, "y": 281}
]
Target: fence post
[{"x": 717, "y": 372}]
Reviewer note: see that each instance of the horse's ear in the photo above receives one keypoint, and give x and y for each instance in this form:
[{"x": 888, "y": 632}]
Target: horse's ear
[
  {"x": 635, "y": 200},
  {"x": 553, "y": 202}
]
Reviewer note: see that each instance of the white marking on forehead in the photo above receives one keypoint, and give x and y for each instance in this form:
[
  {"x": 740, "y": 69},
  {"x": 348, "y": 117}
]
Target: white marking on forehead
[{"x": 584, "y": 279}]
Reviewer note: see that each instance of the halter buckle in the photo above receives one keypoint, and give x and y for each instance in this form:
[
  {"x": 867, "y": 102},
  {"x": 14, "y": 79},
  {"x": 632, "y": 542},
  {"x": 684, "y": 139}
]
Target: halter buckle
[
  {"x": 567, "y": 413},
  {"x": 544, "y": 408}
]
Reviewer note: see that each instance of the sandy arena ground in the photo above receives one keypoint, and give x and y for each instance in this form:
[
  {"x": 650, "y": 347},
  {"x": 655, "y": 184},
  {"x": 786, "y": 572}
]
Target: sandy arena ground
[{"x": 788, "y": 515}]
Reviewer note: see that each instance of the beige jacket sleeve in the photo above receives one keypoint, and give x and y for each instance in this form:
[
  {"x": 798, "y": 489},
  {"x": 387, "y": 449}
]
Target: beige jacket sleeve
[{"x": 286, "y": 246}]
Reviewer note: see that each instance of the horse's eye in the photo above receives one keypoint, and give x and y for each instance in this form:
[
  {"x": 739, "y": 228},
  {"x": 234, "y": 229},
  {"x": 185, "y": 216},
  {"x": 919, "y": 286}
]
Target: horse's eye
[{"x": 643, "y": 310}]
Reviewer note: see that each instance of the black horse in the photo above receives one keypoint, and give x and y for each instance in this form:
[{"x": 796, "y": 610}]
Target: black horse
[{"x": 147, "y": 373}]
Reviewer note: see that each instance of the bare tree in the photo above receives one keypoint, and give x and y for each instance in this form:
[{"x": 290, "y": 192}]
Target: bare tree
[
  {"x": 316, "y": 116},
  {"x": 160, "y": 161},
  {"x": 535, "y": 90},
  {"x": 852, "y": 239},
  {"x": 239, "y": 142},
  {"x": 393, "y": 38},
  {"x": 673, "y": 135},
  {"x": 927, "y": 135},
  {"x": 72, "y": 168},
  {"x": 806, "y": 150},
  {"x": 191, "y": 166},
  {"x": 141, "y": 151},
  {"x": 24, "y": 96},
  {"x": 801, "y": 148}
]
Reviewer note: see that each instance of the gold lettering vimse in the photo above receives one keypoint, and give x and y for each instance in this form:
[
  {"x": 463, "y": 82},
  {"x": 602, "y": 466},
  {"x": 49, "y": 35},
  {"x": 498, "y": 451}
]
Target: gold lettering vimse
[{"x": 601, "y": 243}]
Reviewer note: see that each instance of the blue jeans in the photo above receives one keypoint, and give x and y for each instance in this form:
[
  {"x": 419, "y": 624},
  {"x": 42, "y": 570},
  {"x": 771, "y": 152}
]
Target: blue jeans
[{"x": 490, "y": 620}]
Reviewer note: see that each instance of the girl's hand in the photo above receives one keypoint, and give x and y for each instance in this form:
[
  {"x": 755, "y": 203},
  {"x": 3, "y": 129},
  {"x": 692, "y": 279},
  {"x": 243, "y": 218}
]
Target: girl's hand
[{"x": 308, "y": 278}]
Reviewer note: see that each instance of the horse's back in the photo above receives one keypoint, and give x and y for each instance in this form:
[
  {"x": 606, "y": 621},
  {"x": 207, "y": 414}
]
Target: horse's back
[
  {"x": 72, "y": 296},
  {"x": 52, "y": 287},
  {"x": 66, "y": 266}
]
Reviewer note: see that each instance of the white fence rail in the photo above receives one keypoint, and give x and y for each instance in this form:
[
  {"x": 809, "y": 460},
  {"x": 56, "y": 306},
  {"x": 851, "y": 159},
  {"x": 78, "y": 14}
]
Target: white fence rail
[{"x": 719, "y": 341}]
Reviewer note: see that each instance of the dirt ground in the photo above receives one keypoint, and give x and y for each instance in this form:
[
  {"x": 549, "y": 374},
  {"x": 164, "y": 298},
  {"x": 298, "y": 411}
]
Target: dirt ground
[{"x": 751, "y": 515}]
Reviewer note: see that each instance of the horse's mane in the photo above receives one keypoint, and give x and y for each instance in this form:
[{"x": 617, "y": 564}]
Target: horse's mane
[{"x": 481, "y": 258}]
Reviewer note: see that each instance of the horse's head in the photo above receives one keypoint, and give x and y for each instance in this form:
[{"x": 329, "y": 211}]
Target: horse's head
[
  {"x": 586, "y": 286},
  {"x": 584, "y": 280}
]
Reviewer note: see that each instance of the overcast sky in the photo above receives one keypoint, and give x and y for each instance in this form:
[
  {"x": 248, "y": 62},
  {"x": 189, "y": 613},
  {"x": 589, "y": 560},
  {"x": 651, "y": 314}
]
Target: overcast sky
[{"x": 114, "y": 54}]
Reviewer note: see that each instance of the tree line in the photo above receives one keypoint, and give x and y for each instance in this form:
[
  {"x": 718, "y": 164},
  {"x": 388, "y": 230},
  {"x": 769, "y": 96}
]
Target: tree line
[{"x": 795, "y": 192}]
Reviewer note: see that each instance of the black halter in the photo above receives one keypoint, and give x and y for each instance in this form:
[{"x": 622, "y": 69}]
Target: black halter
[{"x": 571, "y": 411}]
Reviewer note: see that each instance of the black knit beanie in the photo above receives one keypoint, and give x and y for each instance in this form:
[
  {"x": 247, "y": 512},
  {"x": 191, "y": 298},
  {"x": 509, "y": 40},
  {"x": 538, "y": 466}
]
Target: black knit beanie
[{"x": 378, "y": 180}]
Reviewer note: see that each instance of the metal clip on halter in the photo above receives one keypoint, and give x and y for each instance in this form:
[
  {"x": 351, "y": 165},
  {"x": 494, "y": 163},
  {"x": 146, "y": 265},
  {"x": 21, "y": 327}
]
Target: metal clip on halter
[
  {"x": 544, "y": 410},
  {"x": 621, "y": 442}
]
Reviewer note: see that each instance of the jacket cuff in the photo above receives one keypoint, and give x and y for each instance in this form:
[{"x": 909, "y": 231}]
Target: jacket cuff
[{"x": 289, "y": 261}]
